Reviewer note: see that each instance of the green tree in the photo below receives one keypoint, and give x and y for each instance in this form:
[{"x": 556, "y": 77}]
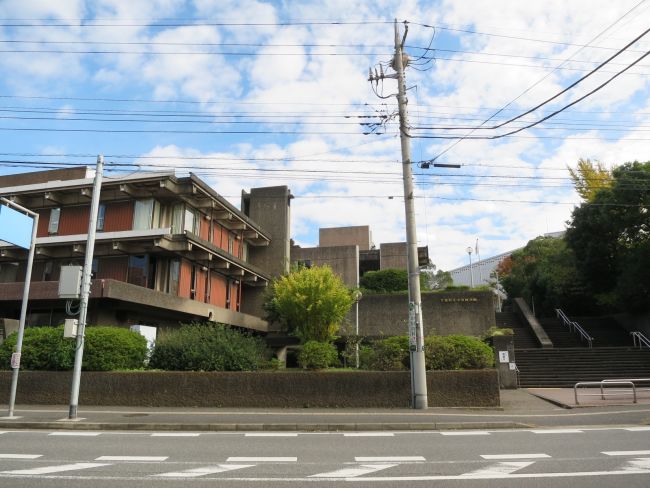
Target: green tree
[
  {"x": 389, "y": 280},
  {"x": 610, "y": 236},
  {"x": 311, "y": 303},
  {"x": 588, "y": 178},
  {"x": 544, "y": 271}
]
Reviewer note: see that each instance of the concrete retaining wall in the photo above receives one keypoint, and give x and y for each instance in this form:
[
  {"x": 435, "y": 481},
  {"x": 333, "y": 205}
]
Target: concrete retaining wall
[
  {"x": 468, "y": 313},
  {"x": 281, "y": 389}
]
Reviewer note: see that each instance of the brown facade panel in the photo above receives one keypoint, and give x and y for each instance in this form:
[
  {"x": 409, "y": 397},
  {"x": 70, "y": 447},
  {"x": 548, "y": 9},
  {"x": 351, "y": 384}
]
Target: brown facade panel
[
  {"x": 217, "y": 234},
  {"x": 204, "y": 228},
  {"x": 218, "y": 290},
  {"x": 185, "y": 279},
  {"x": 74, "y": 220},
  {"x": 118, "y": 217},
  {"x": 200, "y": 285},
  {"x": 43, "y": 222},
  {"x": 234, "y": 296},
  {"x": 113, "y": 268}
]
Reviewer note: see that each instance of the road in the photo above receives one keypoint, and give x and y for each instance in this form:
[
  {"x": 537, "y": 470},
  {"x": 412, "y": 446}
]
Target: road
[{"x": 584, "y": 457}]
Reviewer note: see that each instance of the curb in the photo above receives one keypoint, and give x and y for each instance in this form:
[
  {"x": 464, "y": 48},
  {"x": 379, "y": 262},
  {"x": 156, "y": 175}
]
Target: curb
[{"x": 274, "y": 427}]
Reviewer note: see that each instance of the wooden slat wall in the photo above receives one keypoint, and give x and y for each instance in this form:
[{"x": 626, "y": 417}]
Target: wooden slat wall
[
  {"x": 118, "y": 216},
  {"x": 204, "y": 228},
  {"x": 218, "y": 290},
  {"x": 74, "y": 220},
  {"x": 200, "y": 284},
  {"x": 185, "y": 279},
  {"x": 113, "y": 268},
  {"x": 43, "y": 222}
]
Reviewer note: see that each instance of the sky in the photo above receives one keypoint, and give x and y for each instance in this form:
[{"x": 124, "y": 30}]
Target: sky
[{"x": 254, "y": 93}]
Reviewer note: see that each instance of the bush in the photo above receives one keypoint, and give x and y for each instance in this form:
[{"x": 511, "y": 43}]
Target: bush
[
  {"x": 390, "y": 354},
  {"x": 208, "y": 347},
  {"x": 457, "y": 352},
  {"x": 317, "y": 355},
  {"x": 389, "y": 281},
  {"x": 105, "y": 349}
]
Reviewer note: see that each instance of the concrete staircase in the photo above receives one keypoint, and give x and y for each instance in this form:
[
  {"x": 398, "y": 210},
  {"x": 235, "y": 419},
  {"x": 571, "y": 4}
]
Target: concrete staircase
[
  {"x": 564, "y": 367},
  {"x": 524, "y": 337}
]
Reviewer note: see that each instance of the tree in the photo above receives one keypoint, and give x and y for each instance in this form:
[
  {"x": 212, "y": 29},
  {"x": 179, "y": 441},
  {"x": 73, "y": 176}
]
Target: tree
[
  {"x": 610, "y": 236},
  {"x": 544, "y": 271},
  {"x": 311, "y": 303},
  {"x": 389, "y": 280},
  {"x": 588, "y": 178}
]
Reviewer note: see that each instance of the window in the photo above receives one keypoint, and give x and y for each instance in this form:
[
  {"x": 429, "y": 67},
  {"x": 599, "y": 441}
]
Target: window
[
  {"x": 101, "y": 212},
  {"x": 174, "y": 273},
  {"x": 146, "y": 214},
  {"x": 137, "y": 272},
  {"x": 231, "y": 243},
  {"x": 48, "y": 268},
  {"x": 55, "y": 215},
  {"x": 191, "y": 222},
  {"x": 177, "y": 218},
  {"x": 8, "y": 272}
]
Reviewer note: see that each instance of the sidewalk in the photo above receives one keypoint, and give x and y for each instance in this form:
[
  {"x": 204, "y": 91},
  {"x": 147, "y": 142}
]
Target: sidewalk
[{"x": 519, "y": 409}]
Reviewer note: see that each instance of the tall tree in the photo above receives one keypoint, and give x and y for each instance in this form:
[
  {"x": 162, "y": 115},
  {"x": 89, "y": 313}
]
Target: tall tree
[
  {"x": 589, "y": 177},
  {"x": 610, "y": 236}
]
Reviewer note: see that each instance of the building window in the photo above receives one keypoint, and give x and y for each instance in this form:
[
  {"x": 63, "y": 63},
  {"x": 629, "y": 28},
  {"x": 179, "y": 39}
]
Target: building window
[
  {"x": 55, "y": 216},
  {"x": 191, "y": 221},
  {"x": 231, "y": 243},
  {"x": 8, "y": 272},
  {"x": 174, "y": 275},
  {"x": 48, "y": 268},
  {"x": 146, "y": 214},
  {"x": 101, "y": 212},
  {"x": 137, "y": 271}
]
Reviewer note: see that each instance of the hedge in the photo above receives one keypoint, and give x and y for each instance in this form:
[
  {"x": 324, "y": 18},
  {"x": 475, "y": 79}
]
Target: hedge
[
  {"x": 317, "y": 355},
  {"x": 105, "y": 349},
  {"x": 210, "y": 347}
]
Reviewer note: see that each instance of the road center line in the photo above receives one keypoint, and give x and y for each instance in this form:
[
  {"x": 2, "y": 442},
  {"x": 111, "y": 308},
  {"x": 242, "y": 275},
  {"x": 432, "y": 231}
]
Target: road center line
[
  {"x": 388, "y": 459},
  {"x": 515, "y": 456},
  {"x": 20, "y": 456},
  {"x": 131, "y": 458},
  {"x": 626, "y": 453},
  {"x": 252, "y": 459}
]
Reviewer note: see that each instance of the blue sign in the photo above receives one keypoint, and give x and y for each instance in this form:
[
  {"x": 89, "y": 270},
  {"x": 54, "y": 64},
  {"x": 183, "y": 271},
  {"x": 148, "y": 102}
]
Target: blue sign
[{"x": 15, "y": 227}]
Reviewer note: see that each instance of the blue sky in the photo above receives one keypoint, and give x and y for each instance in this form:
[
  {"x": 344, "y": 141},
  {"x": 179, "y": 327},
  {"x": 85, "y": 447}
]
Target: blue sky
[{"x": 252, "y": 93}]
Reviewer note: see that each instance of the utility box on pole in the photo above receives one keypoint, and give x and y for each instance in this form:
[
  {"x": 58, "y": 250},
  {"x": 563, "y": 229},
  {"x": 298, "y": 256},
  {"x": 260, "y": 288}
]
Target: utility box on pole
[{"x": 70, "y": 282}]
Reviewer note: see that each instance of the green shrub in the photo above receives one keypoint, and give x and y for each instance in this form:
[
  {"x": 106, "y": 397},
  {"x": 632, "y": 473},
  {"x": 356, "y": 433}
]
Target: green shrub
[
  {"x": 457, "y": 352},
  {"x": 390, "y": 354},
  {"x": 317, "y": 355},
  {"x": 105, "y": 349},
  {"x": 208, "y": 347}
]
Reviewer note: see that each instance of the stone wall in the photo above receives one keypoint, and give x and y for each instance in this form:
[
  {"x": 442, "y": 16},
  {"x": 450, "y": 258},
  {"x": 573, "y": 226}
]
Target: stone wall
[
  {"x": 278, "y": 389},
  {"x": 468, "y": 313}
]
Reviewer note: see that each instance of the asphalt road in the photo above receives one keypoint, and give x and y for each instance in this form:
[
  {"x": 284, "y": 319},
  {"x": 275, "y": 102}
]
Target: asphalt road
[{"x": 598, "y": 457}]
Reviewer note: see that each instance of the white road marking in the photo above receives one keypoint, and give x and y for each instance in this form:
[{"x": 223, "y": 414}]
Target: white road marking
[
  {"x": 626, "y": 453},
  {"x": 465, "y": 433},
  {"x": 75, "y": 434},
  {"x": 10, "y": 418},
  {"x": 252, "y": 459},
  {"x": 20, "y": 456},
  {"x": 67, "y": 419},
  {"x": 55, "y": 469},
  {"x": 638, "y": 464},
  {"x": 515, "y": 456},
  {"x": 369, "y": 434},
  {"x": 499, "y": 469},
  {"x": 194, "y": 473},
  {"x": 353, "y": 472},
  {"x": 174, "y": 434},
  {"x": 557, "y": 431},
  {"x": 637, "y": 429},
  {"x": 131, "y": 458},
  {"x": 388, "y": 459},
  {"x": 271, "y": 434}
]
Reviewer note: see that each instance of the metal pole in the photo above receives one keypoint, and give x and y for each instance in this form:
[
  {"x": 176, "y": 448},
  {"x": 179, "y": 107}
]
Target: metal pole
[
  {"x": 356, "y": 345},
  {"x": 85, "y": 289},
  {"x": 23, "y": 309},
  {"x": 496, "y": 273},
  {"x": 416, "y": 329},
  {"x": 471, "y": 270}
]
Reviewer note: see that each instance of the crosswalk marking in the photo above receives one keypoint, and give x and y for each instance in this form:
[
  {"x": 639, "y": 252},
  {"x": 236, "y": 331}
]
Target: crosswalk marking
[
  {"x": 271, "y": 434},
  {"x": 557, "y": 431},
  {"x": 131, "y": 458},
  {"x": 194, "y": 473},
  {"x": 369, "y": 434},
  {"x": 387, "y": 459},
  {"x": 75, "y": 434},
  {"x": 174, "y": 434},
  {"x": 637, "y": 429},
  {"x": 626, "y": 453},
  {"x": 20, "y": 456},
  {"x": 55, "y": 469},
  {"x": 252, "y": 459},
  {"x": 640, "y": 464},
  {"x": 353, "y": 472},
  {"x": 515, "y": 456},
  {"x": 463, "y": 433},
  {"x": 498, "y": 470}
]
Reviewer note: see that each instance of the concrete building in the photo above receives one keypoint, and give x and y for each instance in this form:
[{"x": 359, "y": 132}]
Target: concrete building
[
  {"x": 168, "y": 249},
  {"x": 350, "y": 252}
]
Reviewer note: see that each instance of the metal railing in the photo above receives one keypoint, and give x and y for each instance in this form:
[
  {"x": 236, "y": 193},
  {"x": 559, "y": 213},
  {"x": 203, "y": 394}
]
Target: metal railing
[
  {"x": 639, "y": 339},
  {"x": 574, "y": 327},
  {"x": 601, "y": 385}
]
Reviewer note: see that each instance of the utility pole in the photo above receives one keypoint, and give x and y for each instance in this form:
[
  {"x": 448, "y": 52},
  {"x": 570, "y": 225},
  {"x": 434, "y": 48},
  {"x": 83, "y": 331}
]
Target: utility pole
[
  {"x": 85, "y": 289},
  {"x": 419, "y": 399}
]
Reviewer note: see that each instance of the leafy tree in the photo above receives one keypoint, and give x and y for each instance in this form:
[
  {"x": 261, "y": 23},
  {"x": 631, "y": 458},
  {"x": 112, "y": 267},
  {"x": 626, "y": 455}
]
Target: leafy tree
[
  {"x": 588, "y": 178},
  {"x": 610, "y": 236},
  {"x": 310, "y": 302},
  {"x": 440, "y": 280},
  {"x": 545, "y": 271},
  {"x": 389, "y": 281}
]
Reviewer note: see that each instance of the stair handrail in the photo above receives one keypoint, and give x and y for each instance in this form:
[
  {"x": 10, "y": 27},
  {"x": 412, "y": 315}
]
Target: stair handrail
[
  {"x": 574, "y": 326},
  {"x": 640, "y": 339}
]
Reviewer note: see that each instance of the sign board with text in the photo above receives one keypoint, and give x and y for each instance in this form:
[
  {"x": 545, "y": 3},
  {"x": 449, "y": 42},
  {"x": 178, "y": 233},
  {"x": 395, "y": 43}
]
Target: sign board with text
[{"x": 15, "y": 227}]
